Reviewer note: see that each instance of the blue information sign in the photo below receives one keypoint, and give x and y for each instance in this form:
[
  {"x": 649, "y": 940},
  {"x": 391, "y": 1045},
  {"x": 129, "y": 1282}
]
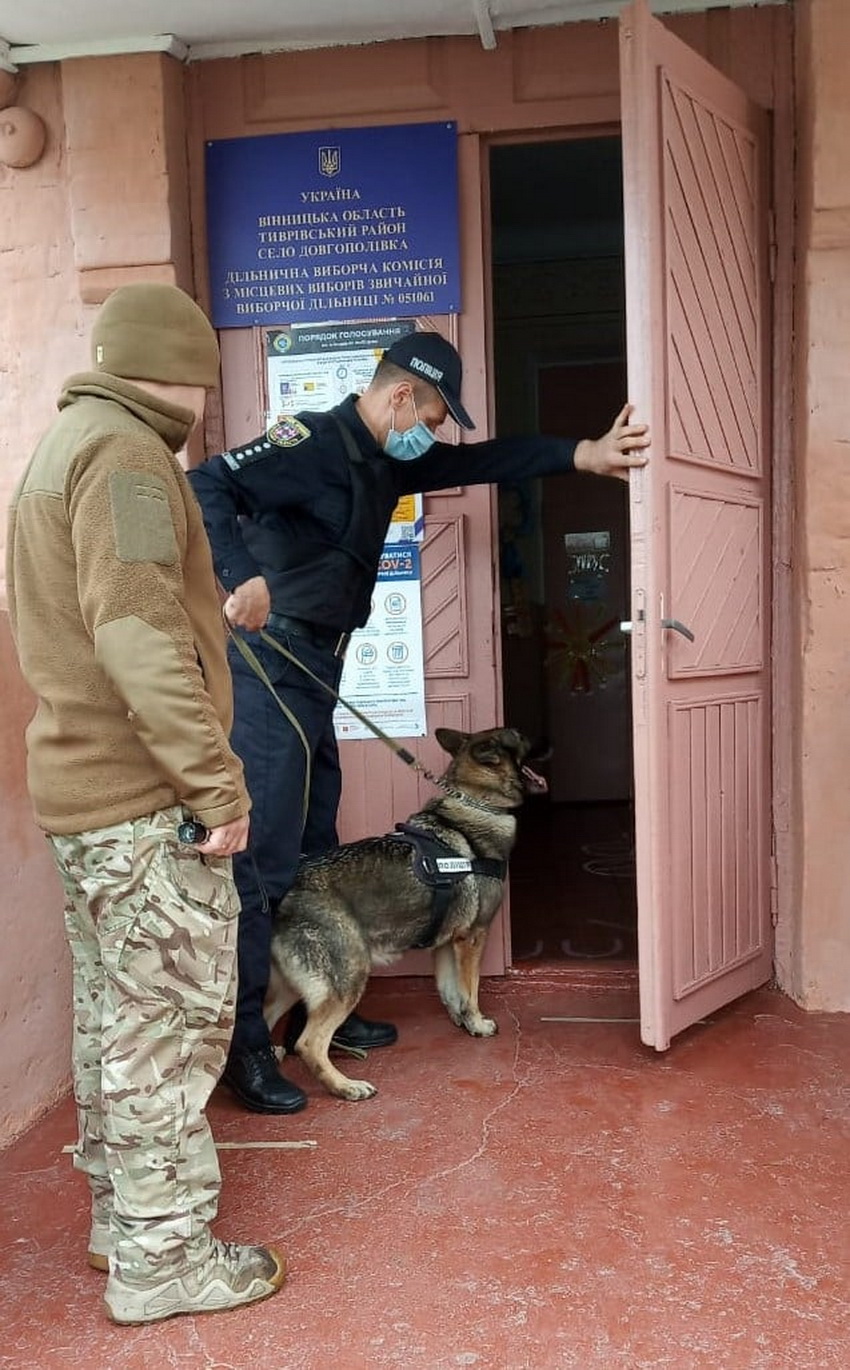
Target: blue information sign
[{"x": 336, "y": 225}]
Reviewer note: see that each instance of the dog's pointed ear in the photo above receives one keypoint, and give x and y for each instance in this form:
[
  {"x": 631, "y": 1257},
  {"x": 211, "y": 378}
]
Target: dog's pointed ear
[{"x": 450, "y": 740}]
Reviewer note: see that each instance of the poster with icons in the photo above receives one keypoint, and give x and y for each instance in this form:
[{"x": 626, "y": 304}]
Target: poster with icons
[
  {"x": 384, "y": 672},
  {"x": 315, "y": 367}
]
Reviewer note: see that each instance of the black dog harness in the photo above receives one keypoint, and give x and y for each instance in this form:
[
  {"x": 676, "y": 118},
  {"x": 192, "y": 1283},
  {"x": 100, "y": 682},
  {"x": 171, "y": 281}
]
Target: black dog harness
[{"x": 438, "y": 865}]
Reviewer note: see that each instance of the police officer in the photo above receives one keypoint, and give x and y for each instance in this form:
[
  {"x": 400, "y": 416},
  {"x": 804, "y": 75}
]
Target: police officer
[{"x": 297, "y": 520}]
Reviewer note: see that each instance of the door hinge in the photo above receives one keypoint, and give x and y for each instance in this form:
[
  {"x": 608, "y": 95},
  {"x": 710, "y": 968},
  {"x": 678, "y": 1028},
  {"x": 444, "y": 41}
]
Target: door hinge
[
  {"x": 774, "y": 888},
  {"x": 771, "y": 245}
]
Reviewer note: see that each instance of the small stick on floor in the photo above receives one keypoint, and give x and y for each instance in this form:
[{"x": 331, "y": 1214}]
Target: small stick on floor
[{"x": 244, "y": 1146}]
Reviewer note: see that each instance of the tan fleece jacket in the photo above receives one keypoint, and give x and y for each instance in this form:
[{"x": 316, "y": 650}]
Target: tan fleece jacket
[{"x": 116, "y": 618}]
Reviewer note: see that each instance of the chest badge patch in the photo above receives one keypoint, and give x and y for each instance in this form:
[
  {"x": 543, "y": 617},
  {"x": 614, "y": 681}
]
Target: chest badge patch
[{"x": 288, "y": 432}]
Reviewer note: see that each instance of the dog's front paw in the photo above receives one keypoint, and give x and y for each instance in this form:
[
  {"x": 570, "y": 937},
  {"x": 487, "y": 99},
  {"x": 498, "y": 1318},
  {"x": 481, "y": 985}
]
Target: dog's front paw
[
  {"x": 481, "y": 1027},
  {"x": 354, "y": 1090}
]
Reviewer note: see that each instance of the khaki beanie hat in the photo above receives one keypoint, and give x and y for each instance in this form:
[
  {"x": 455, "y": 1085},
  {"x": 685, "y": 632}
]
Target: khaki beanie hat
[{"x": 155, "y": 332}]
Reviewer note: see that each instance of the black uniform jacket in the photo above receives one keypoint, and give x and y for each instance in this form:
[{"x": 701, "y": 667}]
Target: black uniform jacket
[{"x": 310, "y": 512}]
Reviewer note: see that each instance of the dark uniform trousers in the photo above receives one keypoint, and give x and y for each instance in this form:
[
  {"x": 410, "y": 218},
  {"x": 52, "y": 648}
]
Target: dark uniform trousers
[{"x": 273, "y": 755}]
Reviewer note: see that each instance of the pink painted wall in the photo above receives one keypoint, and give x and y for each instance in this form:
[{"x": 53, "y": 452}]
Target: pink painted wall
[
  {"x": 41, "y": 340},
  {"x": 108, "y": 202},
  {"x": 819, "y": 955}
]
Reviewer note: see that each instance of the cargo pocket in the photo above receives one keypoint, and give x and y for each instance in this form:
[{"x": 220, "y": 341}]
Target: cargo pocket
[{"x": 181, "y": 944}]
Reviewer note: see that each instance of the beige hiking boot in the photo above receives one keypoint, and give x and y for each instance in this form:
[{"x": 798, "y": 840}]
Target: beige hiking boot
[{"x": 230, "y": 1276}]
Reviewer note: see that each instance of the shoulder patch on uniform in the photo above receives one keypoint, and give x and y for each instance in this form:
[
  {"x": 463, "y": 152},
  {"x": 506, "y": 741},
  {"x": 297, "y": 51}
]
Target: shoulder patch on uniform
[
  {"x": 141, "y": 518},
  {"x": 287, "y": 432}
]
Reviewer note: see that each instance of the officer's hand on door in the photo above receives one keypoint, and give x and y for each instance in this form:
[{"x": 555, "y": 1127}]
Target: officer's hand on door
[
  {"x": 248, "y": 605},
  {"x": 617, "y": 451}
]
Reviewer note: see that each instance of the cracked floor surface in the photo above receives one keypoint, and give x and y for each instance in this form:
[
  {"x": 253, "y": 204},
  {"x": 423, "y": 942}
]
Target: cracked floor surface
[{"x": 557, "y": 1196}]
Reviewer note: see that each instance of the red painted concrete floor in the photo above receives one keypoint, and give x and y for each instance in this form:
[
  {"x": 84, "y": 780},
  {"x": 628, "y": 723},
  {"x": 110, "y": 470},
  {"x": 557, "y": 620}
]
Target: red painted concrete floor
[{"x": 557, "y": 1196}]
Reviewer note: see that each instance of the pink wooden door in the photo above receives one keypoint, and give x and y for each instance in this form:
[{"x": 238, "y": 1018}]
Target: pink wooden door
[{"x": 695, "y": 154}]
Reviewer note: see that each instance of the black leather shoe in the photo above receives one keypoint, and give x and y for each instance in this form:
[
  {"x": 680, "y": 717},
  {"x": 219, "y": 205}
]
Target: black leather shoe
[
  {"x": 258, "y": 1084},
  {"x": 354, "y": 1034}
]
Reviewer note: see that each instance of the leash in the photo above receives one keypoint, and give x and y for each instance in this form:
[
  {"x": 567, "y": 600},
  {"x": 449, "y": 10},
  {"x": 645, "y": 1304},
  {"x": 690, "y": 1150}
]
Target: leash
[
  {"x": 250, "y": 656},
  {"x": 259, "y": 670}
]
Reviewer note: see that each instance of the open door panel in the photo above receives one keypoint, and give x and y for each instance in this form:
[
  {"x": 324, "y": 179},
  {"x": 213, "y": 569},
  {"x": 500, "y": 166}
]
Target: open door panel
[{"x": 695, "y": 162}]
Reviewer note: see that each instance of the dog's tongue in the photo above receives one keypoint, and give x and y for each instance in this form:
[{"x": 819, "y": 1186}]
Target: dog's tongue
[{"x": 534, "y": 783}]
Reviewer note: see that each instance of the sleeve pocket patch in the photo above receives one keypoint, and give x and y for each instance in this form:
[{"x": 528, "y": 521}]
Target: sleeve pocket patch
[{"x": 141, "y": 518}]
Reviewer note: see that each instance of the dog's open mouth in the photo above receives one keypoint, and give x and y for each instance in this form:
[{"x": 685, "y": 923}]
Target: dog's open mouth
[{"x": 534, "y": 783}]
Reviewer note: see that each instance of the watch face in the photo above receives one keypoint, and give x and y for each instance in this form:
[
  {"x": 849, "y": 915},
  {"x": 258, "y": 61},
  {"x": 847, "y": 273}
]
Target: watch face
[{"x": 191, "y": 833}]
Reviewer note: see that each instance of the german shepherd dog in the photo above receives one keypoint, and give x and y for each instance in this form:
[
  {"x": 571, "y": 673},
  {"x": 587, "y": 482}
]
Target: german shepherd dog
[{"x": 436, "y": 882}]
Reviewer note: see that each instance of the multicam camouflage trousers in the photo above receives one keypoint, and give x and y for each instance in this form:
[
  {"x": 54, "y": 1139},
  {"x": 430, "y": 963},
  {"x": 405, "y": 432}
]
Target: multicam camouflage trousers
[{"x": 152, "y": 930}]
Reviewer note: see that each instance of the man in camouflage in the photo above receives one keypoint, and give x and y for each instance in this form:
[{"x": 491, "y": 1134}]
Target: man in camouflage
[{"x": 116, "y": 620}]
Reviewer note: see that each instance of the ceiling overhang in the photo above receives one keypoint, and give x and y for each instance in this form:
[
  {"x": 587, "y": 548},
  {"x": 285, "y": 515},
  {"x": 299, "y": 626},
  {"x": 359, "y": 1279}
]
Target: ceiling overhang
[{"x": 194, "y": 30}]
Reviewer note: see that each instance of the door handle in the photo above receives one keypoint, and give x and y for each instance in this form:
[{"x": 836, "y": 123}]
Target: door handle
[
  {"x": 626, "y": 627},
  {"x": 678, "y": 627}
]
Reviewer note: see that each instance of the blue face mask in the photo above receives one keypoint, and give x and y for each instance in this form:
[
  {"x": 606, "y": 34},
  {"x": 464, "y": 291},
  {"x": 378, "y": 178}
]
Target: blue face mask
[{"x": 412, "y": 443}]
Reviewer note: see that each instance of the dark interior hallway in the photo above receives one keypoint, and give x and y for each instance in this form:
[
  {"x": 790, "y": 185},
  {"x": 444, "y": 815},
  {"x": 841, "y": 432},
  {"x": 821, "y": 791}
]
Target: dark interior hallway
[{"x": 573, "y": 897}]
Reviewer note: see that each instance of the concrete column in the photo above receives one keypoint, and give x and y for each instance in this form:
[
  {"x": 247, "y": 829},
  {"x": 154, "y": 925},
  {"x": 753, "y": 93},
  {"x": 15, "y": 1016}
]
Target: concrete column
[
  {"x": 127, "y": 171},
  {"x": 819, "y": 971}
]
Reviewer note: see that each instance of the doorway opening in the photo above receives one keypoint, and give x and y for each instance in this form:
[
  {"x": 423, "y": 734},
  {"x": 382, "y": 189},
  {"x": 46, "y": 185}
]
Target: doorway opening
[{"x": 559, "y": 366}]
